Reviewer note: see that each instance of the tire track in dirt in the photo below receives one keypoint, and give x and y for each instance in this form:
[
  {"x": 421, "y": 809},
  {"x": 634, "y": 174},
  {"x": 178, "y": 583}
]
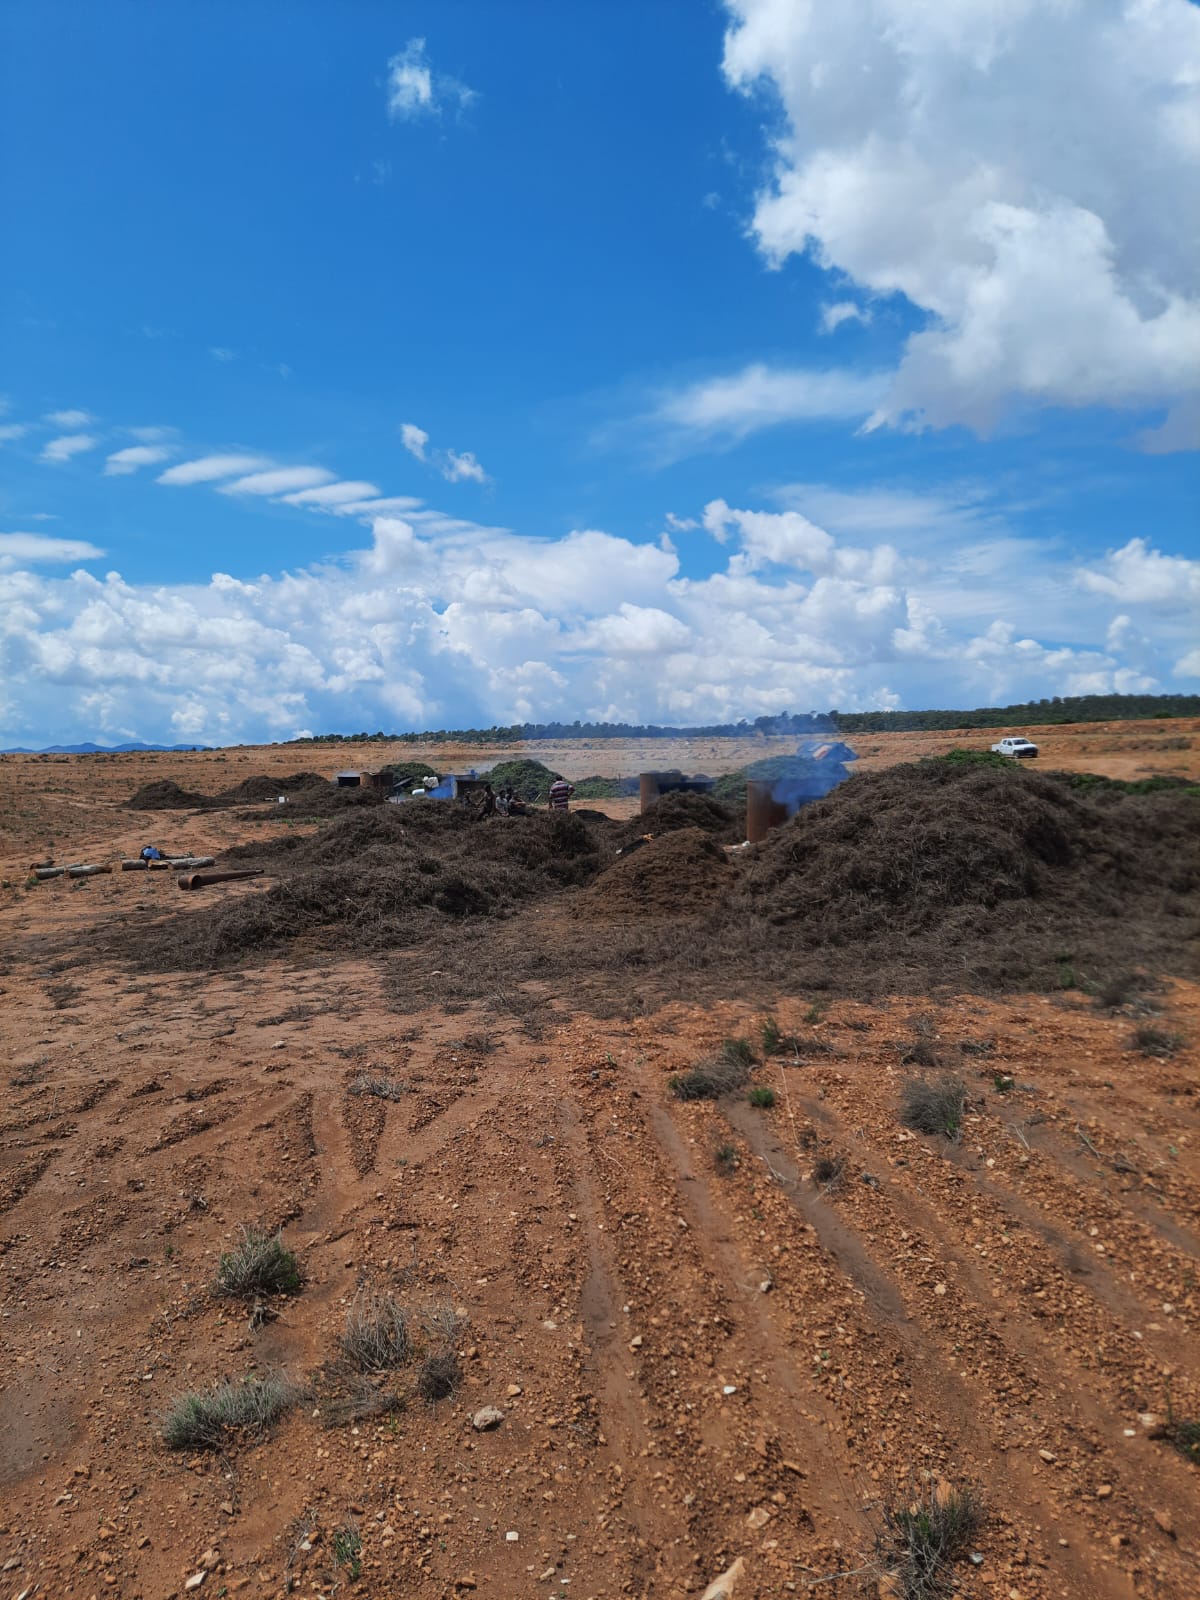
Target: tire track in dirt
[
  {"x": 1090, "y": 1401},
  {"x": 624, "y": 1436},
  {"x": 940, "y": 1388}
]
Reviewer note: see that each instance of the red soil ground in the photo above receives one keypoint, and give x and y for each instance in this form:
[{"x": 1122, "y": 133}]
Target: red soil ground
[{"x": 701, "y": 1351}]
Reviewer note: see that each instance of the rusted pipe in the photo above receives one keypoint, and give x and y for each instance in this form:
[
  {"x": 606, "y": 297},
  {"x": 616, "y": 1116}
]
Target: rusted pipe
[
  {"x": 202, "y": 880},
  {"x": 763, "y": 811},
  {"x": 647, "y": 790}
]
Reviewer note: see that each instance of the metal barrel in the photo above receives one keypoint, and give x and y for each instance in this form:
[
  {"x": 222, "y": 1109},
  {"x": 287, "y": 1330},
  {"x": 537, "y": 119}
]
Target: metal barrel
[{"x": 763, "y": 811}]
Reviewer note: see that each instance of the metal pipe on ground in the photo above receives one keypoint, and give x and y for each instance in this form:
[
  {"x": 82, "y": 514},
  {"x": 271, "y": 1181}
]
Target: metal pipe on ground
[
  {"x": 81, "y": 871},
  {"x": 203, "y": 880}
]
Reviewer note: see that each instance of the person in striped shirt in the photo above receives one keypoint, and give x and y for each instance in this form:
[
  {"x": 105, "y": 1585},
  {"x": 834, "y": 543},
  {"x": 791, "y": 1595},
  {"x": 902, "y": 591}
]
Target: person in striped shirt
[{"x": 560, "y": 794}]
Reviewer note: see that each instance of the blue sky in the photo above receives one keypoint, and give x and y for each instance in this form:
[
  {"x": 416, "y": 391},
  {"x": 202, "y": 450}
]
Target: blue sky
[{"x": 400, "y": 365}]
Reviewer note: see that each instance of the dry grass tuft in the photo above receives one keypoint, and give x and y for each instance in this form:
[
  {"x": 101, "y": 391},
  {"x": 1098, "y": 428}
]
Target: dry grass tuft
[
  {"x": 381, "y": 1087},
  {"x": 259, "y": 1264},
  {"x": 934, "y": 1107},
  {"x": 438, "y": 1376},
  {"x": 376, "y": 1335},
  {"x": 921, "y": 1539},
  {"x": 204, "y": 1420},
  {"x": 708, "y": 1081}
]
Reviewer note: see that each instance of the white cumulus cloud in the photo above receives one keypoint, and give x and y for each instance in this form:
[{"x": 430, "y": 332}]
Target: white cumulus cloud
[
  {"x": 415, "y": 89},
  {"x": 1025, "y": 174},
  {"x": 437, "y": 622},
  {"x": 414, "y": 439},
  {"x": 840, "y": 311},
  {"x": 456, "y": 467}
]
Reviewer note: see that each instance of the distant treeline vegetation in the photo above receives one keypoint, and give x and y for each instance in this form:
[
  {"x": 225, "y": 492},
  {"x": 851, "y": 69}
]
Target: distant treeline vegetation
[{"x": 1030, "y": 713}]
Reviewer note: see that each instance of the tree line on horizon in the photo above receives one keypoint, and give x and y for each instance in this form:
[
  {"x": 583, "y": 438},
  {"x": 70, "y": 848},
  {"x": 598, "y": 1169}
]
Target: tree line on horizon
[{"x": 1049, "y": 712}]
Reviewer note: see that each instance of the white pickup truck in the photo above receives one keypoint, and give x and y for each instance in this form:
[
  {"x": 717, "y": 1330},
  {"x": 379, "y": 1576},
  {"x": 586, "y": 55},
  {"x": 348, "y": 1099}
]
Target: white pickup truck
[{"x": 1022, "y": 749}]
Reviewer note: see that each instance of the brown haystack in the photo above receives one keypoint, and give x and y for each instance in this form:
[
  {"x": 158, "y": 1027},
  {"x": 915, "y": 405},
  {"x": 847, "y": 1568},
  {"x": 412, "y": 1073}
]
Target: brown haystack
[
  {"x": 308, "y": 795},
  {"x": 980, "y": 875},
  {"x": 381, "y": 878},
  {"x": 164, "y": 795},
  {"x": 681, "y": 809},
  {"x": 673, "y": 875},
  {"x": 921, "y": 877}
]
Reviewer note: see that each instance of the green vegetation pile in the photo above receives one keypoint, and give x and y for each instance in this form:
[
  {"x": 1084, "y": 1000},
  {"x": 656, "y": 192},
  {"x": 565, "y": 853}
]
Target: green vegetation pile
[
  {"x": 597, "y": 788},
  {"x": 530, "y": 779}
]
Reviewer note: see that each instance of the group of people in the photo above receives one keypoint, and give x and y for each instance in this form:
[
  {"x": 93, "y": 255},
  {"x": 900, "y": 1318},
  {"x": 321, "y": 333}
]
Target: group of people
[{"x": 507, "y": 803}]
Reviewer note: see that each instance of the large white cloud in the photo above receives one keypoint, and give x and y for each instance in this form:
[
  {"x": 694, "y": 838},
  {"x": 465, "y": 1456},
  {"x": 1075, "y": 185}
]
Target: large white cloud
[
  {"x": 1027, "y": 173},
  {"x": 437, "y": 622}
]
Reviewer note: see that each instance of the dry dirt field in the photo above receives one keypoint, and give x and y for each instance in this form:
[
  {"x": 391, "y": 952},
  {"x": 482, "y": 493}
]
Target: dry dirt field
[{"x": 716, "y": 1332}]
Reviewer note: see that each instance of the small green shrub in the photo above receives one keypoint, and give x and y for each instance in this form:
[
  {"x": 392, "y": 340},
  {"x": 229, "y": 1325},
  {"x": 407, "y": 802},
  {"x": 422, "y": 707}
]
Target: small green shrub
[
  {"x": 918, "y": 1053},
  {"x": 1117, "y": 991},
  {"x": 203, "y": 1420},
  {"x": 346, "y": 1549},
  {"x": 439, "y": 1376},
  {"x": 382, "y": 1088},
  {"x": 738, "y": 1053},
  {"x": 777, "y": 1043},
  {"x": 725, "y": 1159},
  {"x": 934, "y": 1107},
  {"x": 922, "y": 1538},
  {"x": 376, "y": 1335},
  {"x": 1183, "y": 1435},
  {"x": 827, "y": 1171},
  {"x": 762, "y": 1097},
  {"x": 708, "y": 1081},
  {"x": 1151, "y": 1041},
  {"x": 259, "y": 1264}
]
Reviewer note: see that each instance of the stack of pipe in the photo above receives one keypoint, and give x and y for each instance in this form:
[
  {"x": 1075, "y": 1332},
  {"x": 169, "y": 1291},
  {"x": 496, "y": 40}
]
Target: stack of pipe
[{"x": 167, "y": 863}]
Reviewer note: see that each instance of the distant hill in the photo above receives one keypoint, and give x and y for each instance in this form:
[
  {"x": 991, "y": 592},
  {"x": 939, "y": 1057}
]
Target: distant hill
[{"x": 96, "y": 749}]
